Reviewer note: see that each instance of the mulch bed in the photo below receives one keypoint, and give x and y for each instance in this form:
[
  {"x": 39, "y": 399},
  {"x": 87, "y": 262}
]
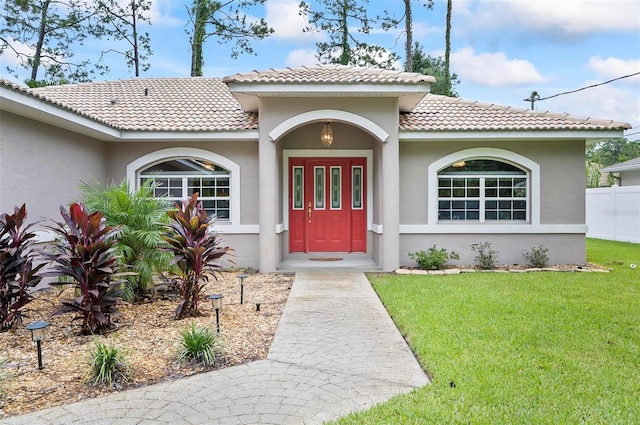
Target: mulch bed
[{"x": 147, "y": 333}]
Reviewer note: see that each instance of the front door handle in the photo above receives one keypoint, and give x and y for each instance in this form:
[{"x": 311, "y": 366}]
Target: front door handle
[{"x": 309, "y": 212}]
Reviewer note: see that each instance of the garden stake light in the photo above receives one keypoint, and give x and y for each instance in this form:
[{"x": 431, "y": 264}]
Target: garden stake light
[
  {"x": 242, "y": 278},
  {"x": 216, "y": 303},
  {"x": 37, "y": 335}
]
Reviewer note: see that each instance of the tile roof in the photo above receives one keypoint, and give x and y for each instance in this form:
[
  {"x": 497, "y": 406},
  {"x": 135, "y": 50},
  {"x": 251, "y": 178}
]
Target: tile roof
[
  {"x": 332, "y": 74},
  {"x": 154, "y": 104},
  {"x": 196, "y": 104},
  {"x": 441, "y": 113}
]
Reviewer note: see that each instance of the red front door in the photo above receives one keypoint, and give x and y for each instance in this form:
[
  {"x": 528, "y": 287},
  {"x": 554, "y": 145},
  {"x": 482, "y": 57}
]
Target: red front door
[{"x": 327, "y": 210}]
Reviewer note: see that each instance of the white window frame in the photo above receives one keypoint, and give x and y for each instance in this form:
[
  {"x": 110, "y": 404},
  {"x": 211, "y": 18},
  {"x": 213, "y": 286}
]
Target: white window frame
[
  {"x": 503, "y": 155},
  {"x": 482, "y": 197},
  {"x": 163, "y": 155}
]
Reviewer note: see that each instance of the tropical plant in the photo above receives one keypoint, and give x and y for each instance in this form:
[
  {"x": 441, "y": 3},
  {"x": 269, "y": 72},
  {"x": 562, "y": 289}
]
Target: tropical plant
[
  {"x": 199, "y": 345},
  {"x": 108, "y": 365},
  {"x": 17, "y": 273},
  {"x": 433, "y": 258},
  {"x": 487, "y": 257},
  {"x": 196, "y": 250},
  {"x": 84, "y": 252},
  {"x": 140, "y": 218}
]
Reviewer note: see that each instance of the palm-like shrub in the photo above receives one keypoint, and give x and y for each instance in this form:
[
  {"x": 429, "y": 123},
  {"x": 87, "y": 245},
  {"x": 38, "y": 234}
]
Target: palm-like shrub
[
  {"x": 140, "y": 217},
  {"x": 17, "y": 273},
  {"x": 84, "y": 256},
  {"x": 196, "y": 250}
]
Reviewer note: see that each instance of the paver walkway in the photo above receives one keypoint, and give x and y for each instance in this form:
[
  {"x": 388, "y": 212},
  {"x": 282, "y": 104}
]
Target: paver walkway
[{"x": 336, "y": 350}]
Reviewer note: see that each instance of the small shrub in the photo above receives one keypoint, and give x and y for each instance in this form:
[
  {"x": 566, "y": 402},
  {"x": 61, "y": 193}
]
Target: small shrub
[
  {"x": 487, "y": 257},
  {"x": 433, "y": 258},
  {"x": 537, "y": 256},
  {"x": 199, "y": 345},
  {"x": 108, "y": 365},
  {"x": 196, "y": 250},
  {"x": 17, "y": 273}
]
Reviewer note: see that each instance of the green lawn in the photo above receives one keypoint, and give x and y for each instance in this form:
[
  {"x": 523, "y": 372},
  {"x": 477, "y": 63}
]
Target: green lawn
[{"x": 535, "y": 348}]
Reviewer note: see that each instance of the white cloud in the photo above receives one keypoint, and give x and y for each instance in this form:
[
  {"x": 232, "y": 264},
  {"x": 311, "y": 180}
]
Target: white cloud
[
  {"x": 284, "y": 17},
  {"x": 562, "y": 18},
  {"x": 301, "y": 57},
  {"x": 160, "y": 13},
  {"x": 611, "y": 67},
  {"x": 611, "y": 102},
  {"x": 493, "y": 69}
]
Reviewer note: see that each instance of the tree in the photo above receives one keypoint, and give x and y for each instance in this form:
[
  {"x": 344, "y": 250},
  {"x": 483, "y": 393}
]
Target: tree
[
  {"x": 613, "y": 151},
  {"x": 120, "y": 22},
  {"x": 47, "y": 28},
  {"x": 447, "y": 50},
  {"x": 227, "y": 22},
  {"x": 434, "y": 66},
  {"x": 389, "y": 22},
  {"x": 342, "y": 20}
]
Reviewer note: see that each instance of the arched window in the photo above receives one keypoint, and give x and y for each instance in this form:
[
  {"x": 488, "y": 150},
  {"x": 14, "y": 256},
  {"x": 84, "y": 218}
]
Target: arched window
[
  {"x": 179, "y": 178},
  {"x": 483, "y": 190}
]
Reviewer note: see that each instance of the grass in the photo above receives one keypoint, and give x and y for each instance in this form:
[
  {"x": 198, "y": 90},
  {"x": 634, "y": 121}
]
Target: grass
[
  {"x": 199, "y": 345},
  {"x": 108, "y": 365},
  {"x": 535, "y": 348}
]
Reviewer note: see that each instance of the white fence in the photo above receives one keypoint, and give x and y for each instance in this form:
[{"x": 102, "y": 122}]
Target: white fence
[{"x": 613, "y": 213}]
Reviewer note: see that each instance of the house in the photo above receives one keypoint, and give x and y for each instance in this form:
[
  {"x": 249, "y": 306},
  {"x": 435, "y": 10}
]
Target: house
[
  {"x": 628, "y": 172},
  {"x": 328, "y": 161}
]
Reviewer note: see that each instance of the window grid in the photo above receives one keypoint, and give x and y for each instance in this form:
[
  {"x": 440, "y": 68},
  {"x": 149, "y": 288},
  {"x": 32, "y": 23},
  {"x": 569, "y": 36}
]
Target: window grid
[
  {"x": 482, "y": 198},
  {"x": 214, "y": 191}
]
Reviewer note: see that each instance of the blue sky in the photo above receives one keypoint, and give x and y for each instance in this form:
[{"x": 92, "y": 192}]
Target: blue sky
[{"x": 502, "y": 50}]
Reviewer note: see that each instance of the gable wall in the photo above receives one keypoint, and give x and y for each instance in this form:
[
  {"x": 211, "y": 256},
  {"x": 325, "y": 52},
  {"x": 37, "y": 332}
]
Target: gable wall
[{"x": 42, "y": 165}]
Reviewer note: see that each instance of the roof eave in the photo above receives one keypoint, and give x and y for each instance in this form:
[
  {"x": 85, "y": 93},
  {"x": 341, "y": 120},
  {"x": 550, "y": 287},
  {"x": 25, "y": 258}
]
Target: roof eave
[
  {"x": 591, "y": 136},
  {"x": 409, "y": 95},
  {"x": 26, "y": 105}
]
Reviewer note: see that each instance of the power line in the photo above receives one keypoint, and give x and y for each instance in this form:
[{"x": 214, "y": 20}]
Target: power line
[{"x": 535, "y": 96}]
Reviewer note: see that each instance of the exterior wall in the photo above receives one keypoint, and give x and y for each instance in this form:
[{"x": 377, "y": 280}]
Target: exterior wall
[
  {"x": 561, "y": 203},
  {"x": 381, "y": 111},
  {"x": 245, "y": 154},
  {"x": 630, "y": 178},
  {"x": 563, "y": 248},
  {"x": 42, "y": 166},
  {"x": 561, "y": 170}
]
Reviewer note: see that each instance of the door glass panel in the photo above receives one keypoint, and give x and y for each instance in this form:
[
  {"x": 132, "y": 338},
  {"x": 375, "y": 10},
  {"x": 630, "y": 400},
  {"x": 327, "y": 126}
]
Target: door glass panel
[
  {"x": 336, "y": 188},
  {"x": 356, "y": 190},
  {"x": 298, "y": 188},
  {"x": 320, "y": 187}
]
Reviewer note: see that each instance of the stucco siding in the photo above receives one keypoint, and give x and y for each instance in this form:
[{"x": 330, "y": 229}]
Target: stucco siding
[
  {"x": 563, "y": 248},
  {"x": 245, "y": 154},
  {"x": 561, "y": 176},
  {"x": 42, "y": 165}
]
